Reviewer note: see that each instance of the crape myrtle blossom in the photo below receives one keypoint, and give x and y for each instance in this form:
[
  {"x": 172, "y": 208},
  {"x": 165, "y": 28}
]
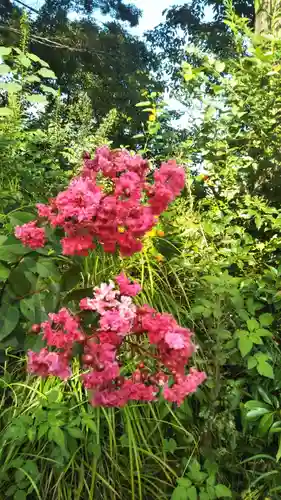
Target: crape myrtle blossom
[
  {"x": 116, "y": 217},
  {"x": 134, "y": 353}
]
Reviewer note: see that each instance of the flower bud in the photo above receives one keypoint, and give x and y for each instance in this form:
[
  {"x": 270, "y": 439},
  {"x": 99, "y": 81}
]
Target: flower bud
[
  {"x": 36, "y": 328},
  {"x": 87, "y": 359}
]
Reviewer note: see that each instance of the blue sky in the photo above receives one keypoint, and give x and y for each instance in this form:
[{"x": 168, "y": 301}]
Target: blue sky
[
  {"x": 152, "y": 15},
  {"x": 152, "y": 11}
]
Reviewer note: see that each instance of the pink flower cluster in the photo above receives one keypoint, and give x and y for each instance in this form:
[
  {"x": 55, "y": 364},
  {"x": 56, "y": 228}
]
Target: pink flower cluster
[
  {"x": 111, "y": 202},
  {"x": 127, "y": 336}
]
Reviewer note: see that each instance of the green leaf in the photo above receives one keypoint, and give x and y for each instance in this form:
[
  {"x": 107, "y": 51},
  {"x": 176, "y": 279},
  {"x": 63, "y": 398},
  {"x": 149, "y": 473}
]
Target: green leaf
[
  {"x": 75, "y": 432},
  {"x": 143, "y": 104},
  {"x": 49, "y": 90},
  {"x": 11, "y": 249},
  {"x": 57, "y": 435},
  {"x": 278, "y": 455},
  {"x": 6, "y": 112},
  {"x": 170, "y": 445},
  {"x": 5, "y": 51},
  {"x": 18, "y": 218},
  {"x": 36, "y": 98},
  {"x": 223, "y": 491},
  {"x": 266, "y": 319},
  {"x": 219, "y": 66},
  {"x": 71, "y": 278},
  {"x": 265, "y": 396},
  {"x": 257, "y": 413},
  {"x": 211, "y": 467},
  {"x": 265, "y": 369},
  {"x": 276, "y": 427},
  {"x": 47, "y": 268},
  {"x": 31, "y": 468},
  {"x": 20, "y": 495},
  {"x": 11, "y": 490},
  {"x": 252, "y": 404},
  {"x": 23, "y": 60},
  {"x": 184, "y": 482},
  {"x": 191, "y": 493},
  {"x": 252, "y": 324},
  {"x": 43, "y": 429},
  {"x": 263, "y": 332},
  {"x": 32, "y": 79},
  {"x": 27, "y": 307},
  {"x": 35, "y": 58},
  {"x": 8, "y": 321},
  {"x": 265, "y": 423},
  {"x": 4, "y": 272},
  {"x": 245, "y": 345},
  {"x": 179, "y": 493},
  {"x": 195, "y": 473},
  {"x": 4, "y": 69},
  {"x": 11, "y": 87},
  {"x": 204, "y": 495},
  {"x": 20, "y": 285},
  {"x": 252, "y": 362},
  {"x": 78, "y": 294},
  {"x": 46, "y": 73},
  {"x": 90, "y": 424},
  {"x": 255, "y": 338}
]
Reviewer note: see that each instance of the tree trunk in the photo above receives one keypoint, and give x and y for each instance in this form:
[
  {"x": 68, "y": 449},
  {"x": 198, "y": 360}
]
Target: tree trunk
[{"x": 267, "y": 17}]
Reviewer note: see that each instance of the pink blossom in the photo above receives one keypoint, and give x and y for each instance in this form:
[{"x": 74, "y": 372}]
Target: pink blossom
[
  {"x": 125, "y": 332},
  {"x": 113, "y": 321},
  {"x": 128, "y": 184},
  {"x": 66, "y": 331},
  {"x": 80, "y": 200},
  {"x": 126, "y": 308},
  {"x": 104, "y": 299},
  {"x": 77, "y": 245},
  {"x": 44, "y": 210},
  {"x": 45, "y": 363},
  {"x": 170, "y": 175},
  {"x": 188, "y": 385},
  {"x": 96, "y": 378},
  {"x": 174, "y": 340},
  {"x": 127, "y": 287},
  {"x": 31, "y": 235}
]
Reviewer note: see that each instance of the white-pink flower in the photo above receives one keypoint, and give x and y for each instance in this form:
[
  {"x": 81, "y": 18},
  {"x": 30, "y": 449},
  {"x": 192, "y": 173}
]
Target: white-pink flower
[{"x": 175, "y": 340}]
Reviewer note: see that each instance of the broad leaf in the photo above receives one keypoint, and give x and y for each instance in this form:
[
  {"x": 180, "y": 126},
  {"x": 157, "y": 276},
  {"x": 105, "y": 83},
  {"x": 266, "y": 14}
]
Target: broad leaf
[
  {"x": 5, "y": 51},
  {"x": 11, "y": 87},
  {"x": 6, "y": 112},
  {"x": 257, "y": 413},
  {"x": 35, "y": 58},
  {"x": 8, "y": 321},
  {"x": 47, "y": 268},
  {"x": 46, "y": 73},
  {"x": 265, "y": 369},
  {"x": 252, "y": 362},
  {"x": 266, "y": 319},
  {"x": 223, "y": 491},
  {"x": 4, "y": 69},
  {"x": 245, "y": 345},
  {"x": 36, "y": 98},
  {"x": 4, "y": 272},
  {"x": 57, "y": 435},
  {"x": 252, "y": 324},
  {"x": 265, "y": 423},
  {"x": 75, "y": 432},
  {"x": 49, "y": 90}
]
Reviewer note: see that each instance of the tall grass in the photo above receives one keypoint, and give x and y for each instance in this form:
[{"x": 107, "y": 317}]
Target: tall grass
[{"x": 94, "y": 453}]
